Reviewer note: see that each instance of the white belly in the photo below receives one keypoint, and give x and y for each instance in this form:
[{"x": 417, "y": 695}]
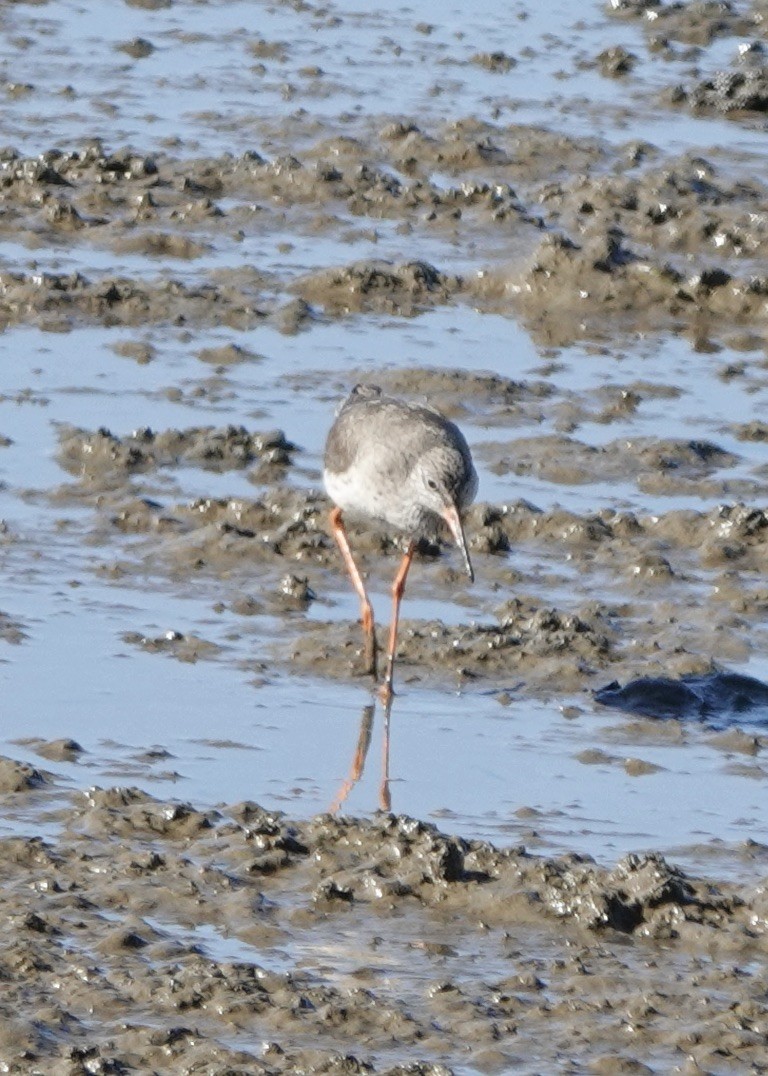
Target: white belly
[{"x": 362, "y": 495}]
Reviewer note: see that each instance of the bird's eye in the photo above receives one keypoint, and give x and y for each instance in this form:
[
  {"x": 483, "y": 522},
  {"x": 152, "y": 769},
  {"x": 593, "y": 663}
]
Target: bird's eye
[{"x": 431, "y": 484}]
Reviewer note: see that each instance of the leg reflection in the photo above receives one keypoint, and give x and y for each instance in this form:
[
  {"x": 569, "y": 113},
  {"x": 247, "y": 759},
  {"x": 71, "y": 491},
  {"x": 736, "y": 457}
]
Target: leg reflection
[
  {"x": 385, "y": 798},
  {"x": 358, "y": 759},
  {"x": 361, "y": 753}
]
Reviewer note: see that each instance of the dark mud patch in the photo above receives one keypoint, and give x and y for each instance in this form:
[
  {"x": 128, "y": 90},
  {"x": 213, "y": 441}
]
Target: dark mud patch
[
  {"x": 12, "y": 630},
  {"x": 726, "y": 92},
  {"x": 378, "y": 286},
  {"x": 18, "y": 777},
  {"x": 719, "y": 699},
  {"x": 194, "y": 937},
  {"x": 141, "y": 351},
  {"x": 175, "y": 644},
  {"x": 62, "y": 750},
  {"x": 227, "y": 355}
]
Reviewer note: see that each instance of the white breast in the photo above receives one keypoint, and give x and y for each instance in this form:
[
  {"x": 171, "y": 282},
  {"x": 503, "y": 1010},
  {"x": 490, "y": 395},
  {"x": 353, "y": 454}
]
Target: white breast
[{"x": 360, "y": 493}]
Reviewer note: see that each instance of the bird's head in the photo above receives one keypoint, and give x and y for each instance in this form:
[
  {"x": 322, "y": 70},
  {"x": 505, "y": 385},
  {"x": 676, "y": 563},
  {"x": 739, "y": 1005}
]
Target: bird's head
[{"x": 442, "y": 484}]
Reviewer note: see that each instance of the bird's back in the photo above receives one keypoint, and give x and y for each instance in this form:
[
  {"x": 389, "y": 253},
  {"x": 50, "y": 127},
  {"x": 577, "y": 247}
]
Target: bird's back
[{"x": 375, "y": 443}]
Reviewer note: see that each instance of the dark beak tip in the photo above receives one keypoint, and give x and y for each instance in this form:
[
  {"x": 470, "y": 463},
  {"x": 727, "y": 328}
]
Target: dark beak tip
[
  {"x": 468, "y": 566},
  {"x": 453, "y": 520}
]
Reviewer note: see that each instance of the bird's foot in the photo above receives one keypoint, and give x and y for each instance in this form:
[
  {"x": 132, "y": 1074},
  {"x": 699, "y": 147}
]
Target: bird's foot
[{"x": 386, "y": 692}]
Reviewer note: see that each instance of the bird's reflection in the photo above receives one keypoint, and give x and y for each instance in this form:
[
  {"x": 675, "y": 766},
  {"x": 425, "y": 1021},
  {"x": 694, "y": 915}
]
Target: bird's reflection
[{"x": 361, "y": 753}]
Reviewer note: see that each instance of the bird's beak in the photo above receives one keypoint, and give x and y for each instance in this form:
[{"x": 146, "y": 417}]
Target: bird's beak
[{"x": 453, "y": 519}]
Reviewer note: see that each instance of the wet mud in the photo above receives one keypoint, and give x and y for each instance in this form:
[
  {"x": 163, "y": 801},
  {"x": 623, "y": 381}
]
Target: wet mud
[
  {"x": 154, "y": 935},
  {"x": 240, "y": 940},
  {"x": 720, "y": 698},
  {"x": 588, "y": 238}
]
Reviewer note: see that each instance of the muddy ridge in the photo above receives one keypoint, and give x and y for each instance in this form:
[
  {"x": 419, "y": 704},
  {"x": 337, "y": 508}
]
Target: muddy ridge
[
  {"x": 135, "y": 905},
  {"x": 613, "y": 239}
]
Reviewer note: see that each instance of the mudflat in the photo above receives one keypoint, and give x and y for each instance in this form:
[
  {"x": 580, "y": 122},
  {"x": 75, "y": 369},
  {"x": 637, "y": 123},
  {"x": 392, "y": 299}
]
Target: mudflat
[{"x": 554, "y": 230}]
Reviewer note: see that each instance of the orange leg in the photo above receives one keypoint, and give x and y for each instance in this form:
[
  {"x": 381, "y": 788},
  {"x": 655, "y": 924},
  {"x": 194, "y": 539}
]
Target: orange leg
[
  {"x": 398, "y": 587},
  {"x": 366, "y": 609}
]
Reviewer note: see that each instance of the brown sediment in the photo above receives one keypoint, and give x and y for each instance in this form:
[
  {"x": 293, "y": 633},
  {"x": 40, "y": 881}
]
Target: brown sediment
[
  {"x": 575, "y": 237},
  {"x": 196, "y": 924},
  {"x": 96, "y": 453}
]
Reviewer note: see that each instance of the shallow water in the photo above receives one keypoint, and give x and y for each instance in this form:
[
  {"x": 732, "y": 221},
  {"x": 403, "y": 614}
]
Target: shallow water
[{"x": 202, "y": 85}]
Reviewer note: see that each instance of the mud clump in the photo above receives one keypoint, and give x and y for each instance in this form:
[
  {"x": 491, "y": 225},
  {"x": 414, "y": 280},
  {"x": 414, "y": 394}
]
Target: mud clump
[
  {"x": 19, "y": 777},
  {"x": 85, "y": 453},
  {"x": 189, "y": 648},
  {"x": 563, "y": 645},
  {"x": 62, "y": 300},
  {"x": 380, "y": 286},
  {"x": 499, "y": 62},
  {"x": 137, "y": 897},
  {"x": 616, "y": 61},
  {"x": 542, "y": 646},
  {"x": 569, "y": 282},
  {"x": 656, "y": 465},
  {"x": 460, "y": 393},
  {"x": 11, "y": 630},
  {"x": 227, "y": 355},
  {"x": 727, "y": 92},
  {"x": 62, "y": 750},
  {"x": 728, "y": 534}
]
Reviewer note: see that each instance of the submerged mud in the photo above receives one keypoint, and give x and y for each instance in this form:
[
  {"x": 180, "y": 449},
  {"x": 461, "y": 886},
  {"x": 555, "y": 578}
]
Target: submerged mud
[
  {"x": 243, "y": 940},
  {"x": 722, "y": 698}
]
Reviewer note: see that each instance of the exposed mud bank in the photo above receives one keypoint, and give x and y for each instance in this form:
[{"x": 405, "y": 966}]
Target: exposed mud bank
[
  {"x": 178, "y": 937},
  {"x": 572, "y": 236}
]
